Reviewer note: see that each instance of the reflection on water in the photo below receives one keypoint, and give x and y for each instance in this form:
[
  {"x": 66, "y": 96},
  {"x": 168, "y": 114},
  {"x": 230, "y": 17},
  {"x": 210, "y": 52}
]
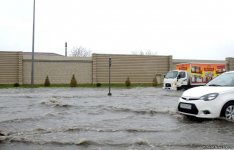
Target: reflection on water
[{"x": 71, "y": 118}]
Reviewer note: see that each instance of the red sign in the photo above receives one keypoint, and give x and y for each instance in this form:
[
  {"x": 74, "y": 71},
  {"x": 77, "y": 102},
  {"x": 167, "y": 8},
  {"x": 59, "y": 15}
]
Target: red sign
[
  {"x": 221, "y": 67},
  {"x": 209, "y": 68},
  {"x": 183, "y": 68}
]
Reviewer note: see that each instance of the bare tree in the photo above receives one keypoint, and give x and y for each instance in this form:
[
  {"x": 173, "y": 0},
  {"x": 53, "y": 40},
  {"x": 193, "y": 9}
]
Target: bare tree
[
  {"x": 144, "y": 52},
  {"x": 80, "y": 52}
]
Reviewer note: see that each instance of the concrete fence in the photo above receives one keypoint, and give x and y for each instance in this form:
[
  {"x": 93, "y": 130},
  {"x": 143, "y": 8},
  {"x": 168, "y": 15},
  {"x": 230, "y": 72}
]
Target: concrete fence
[
  {"x": 11, "y": 67},
  {"x": 230, "y": 63},
  {"x": 15, "y": 67},
  {"x": 140, "y": 69},
  {"x": 58, "y": 69}
]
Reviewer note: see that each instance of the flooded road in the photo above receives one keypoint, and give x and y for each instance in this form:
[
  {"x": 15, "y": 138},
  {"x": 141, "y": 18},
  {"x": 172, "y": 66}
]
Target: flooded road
[{"x": 86, "y": 118}]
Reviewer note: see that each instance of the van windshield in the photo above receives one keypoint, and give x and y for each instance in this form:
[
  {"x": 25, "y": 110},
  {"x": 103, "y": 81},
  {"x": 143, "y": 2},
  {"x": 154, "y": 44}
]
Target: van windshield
[
  {"x": 171, "y": 74},
  {"x": 225, "y": 79}
]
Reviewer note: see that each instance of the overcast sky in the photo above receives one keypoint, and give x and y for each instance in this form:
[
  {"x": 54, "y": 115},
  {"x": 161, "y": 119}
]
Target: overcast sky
[{"x": 194, "y": 29}]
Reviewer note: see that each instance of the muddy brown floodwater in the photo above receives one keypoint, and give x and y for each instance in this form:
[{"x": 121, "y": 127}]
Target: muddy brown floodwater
[{"x": 86, "y": 118}]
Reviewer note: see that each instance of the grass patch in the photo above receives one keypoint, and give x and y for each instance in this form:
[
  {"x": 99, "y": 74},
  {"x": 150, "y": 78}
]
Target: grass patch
[{"x": 103, "y": 85}]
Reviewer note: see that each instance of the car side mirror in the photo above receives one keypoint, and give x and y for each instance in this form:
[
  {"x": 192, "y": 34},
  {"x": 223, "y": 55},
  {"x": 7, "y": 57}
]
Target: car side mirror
[{"x": 178, "y": 77}]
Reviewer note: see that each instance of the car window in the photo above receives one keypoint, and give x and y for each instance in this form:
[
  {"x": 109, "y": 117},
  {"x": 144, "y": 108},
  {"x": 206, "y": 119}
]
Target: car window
[
  {"x": 182, "y": 74},
  {"x": 172, "y": 74},
  {"x": 225, "y": 79}
]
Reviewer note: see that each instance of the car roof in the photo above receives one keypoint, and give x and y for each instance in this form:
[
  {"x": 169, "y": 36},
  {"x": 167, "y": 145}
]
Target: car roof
[{"x": 229, "y": 72}]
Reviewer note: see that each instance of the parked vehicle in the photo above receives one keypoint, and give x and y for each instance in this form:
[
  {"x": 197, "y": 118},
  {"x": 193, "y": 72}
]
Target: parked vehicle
[
  {"x": 191, "y": 74},
  {"x": 214, "y": 100}
]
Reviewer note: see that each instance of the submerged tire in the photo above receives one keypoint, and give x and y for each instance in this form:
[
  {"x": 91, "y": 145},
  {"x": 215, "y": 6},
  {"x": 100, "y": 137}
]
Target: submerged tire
[{"x": 228, "y": 111}]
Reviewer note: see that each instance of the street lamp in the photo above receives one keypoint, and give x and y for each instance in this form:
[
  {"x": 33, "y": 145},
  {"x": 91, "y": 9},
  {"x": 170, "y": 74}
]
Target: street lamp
[
  {"x": 109, "y": 94},
  {"x": 33, "y": 35}
]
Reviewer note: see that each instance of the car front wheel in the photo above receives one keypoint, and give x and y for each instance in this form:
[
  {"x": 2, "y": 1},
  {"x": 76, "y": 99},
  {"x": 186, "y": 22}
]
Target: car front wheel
[{"x": 229, "y": 112}]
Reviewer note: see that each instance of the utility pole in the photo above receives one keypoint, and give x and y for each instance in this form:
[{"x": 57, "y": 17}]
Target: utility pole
[
  {"x": 33, "y": 37},
  {"x": 66, "y": 49}
]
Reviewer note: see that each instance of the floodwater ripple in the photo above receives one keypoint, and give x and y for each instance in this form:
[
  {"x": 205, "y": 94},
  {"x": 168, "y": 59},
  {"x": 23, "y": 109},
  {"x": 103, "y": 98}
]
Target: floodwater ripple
[{"x": 71, "y": 118}]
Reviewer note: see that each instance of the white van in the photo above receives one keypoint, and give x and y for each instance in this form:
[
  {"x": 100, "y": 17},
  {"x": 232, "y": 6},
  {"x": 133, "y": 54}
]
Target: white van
[
  {"x": 192, "y": 74},
  {"x": 176, "y": 79}
]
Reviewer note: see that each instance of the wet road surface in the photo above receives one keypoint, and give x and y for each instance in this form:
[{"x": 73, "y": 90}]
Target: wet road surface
[{"x": 86, "y": 118}]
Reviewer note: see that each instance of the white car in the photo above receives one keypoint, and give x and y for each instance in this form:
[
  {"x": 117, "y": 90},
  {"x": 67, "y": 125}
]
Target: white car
[{"x": 214, "y": 100}]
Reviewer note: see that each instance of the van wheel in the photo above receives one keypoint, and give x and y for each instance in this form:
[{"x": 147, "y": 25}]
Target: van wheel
[
  {"x": 228, "y": 111},
  {"x": 184, "y": 87}
]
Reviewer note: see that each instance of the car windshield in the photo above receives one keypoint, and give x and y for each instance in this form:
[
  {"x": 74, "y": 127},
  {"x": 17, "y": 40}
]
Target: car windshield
[
  {"x": 172, "y": 74},
  {"x": 225, "y": 79}
]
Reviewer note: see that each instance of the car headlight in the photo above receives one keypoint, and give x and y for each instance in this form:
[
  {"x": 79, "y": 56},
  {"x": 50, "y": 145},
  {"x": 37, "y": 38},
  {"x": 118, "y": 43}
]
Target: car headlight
[{"x": 209, "y": 97}]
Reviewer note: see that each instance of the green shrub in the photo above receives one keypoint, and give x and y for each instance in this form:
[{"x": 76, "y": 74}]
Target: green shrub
[
  {"x": 155, "y": 81},
  {"x": 47, "y": 82},
  {"x": 128, "y": 82},
  {"x": 16, "y": 85},
  {"x": 73, "y": 82},
  {"x": 98, "y": 84}
]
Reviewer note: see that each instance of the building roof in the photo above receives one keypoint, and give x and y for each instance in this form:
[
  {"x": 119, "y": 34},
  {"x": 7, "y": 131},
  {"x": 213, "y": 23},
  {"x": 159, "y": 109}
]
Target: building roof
[
  {"x": 40, "y": 54},
  {"x": 178, "y": 61}
]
